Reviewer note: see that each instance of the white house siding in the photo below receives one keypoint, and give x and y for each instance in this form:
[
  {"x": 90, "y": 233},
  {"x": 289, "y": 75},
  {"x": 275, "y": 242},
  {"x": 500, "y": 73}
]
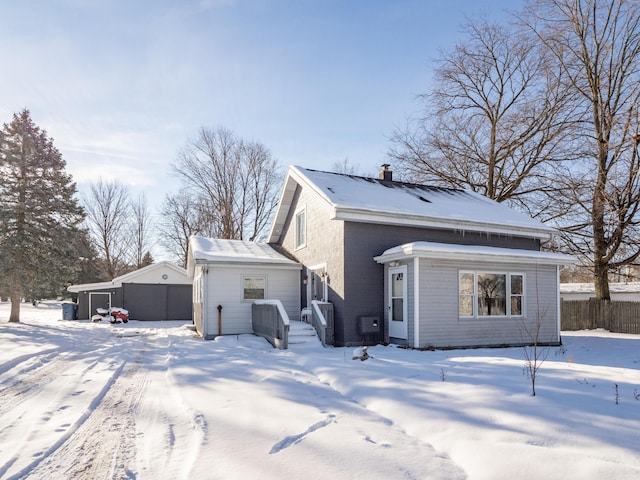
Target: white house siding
[
  {"x": 441, "y": 326},
  {"x": 225, "y": 286}
]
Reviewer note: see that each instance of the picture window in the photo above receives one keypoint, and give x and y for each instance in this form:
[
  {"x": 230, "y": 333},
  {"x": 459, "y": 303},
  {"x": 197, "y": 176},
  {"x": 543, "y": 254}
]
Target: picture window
[{"x": 488, "y": 294}]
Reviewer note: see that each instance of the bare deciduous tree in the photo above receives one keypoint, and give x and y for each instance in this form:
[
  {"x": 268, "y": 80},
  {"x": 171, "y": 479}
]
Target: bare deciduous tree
[
  {"x": 597, "y": 45},
  {"x": 108, "y": 211},
  {"x": 236, "y": 179},
  {"x": 345, "y": 167},
  {"x": 140, "y": 225},
  {"x": 494, "y": 121},
  {"x": 183, "y": 215}
]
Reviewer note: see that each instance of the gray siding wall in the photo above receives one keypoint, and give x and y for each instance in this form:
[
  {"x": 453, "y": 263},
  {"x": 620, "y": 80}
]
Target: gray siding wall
[
  {"x": 83, "y": 301},
  {"x": 364, "y": 278},
  {"x": 356, "y": 281},
  {"x": 440, "y": 325},
  {"x": 324, "y": 245},
  {"x": 146, "y": 301}
]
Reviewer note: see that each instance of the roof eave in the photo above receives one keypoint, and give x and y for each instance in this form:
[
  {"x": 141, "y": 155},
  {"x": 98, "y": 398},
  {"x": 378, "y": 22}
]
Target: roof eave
[
  {"x": 388, "y": 218},
  {"x": 294, "y": 178},
  {"x": 236, "y": 263},
  {"x": 535, "y": 257}
]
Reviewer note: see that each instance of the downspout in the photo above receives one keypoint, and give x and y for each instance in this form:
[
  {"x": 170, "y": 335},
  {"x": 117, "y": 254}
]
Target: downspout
[
  {"x": 205, "y": 295},
  {"x": 558, "y": 301},
  {"x": 416, "y": 302}
]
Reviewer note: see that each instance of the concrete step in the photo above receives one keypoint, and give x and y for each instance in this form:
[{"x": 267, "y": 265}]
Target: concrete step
[{"x": 301, "y": 333}]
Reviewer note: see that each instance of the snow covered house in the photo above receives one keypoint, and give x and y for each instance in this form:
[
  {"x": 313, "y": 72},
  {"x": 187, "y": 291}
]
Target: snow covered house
[
  {"x": 160, "y": 291},
  {"x": 417, "y": 265},
  {"x": 229, "y": 275}
]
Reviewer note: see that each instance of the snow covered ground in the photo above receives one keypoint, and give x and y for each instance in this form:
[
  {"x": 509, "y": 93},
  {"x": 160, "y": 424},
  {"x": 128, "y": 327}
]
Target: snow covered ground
[{"x": 146, "y": 400}]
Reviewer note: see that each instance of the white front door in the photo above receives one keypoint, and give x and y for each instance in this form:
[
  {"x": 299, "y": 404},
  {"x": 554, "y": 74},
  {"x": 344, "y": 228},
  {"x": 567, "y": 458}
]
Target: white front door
[{"x": 397, "y": 305}]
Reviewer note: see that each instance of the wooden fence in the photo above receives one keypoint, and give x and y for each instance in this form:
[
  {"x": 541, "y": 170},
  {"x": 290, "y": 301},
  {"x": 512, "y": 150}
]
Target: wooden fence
[{"x": 619, "y": 317}]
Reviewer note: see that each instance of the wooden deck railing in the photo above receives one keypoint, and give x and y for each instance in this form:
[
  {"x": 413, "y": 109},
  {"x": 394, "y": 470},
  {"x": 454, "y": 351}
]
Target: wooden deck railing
[{"x": 270, "y": 320}]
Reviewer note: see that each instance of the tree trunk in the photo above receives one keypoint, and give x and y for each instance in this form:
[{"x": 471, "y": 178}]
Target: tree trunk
[
  {"x": 601, "y": 279},
  {"x": 600, "y": 263},
  {"x": 16, "y": 298}
]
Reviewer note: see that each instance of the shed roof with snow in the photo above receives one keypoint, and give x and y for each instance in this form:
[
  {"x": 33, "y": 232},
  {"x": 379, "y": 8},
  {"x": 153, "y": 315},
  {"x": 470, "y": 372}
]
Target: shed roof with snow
[
  {"x": 160, "y": 272},
  {"x": 216, "y": 250}
]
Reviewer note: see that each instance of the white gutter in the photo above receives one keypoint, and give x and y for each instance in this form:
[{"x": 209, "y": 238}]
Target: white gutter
[{"x": 442, "y": 251}]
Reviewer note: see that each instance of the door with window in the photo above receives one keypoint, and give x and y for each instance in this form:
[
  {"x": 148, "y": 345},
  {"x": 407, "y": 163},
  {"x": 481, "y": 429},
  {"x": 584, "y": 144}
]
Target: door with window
[
  {"x": 317, "y": 283},
  {"x": 397, "y": 302}
]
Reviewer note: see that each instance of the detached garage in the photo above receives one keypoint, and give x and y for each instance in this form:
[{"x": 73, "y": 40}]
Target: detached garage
[{"x": 160, "y": 291}]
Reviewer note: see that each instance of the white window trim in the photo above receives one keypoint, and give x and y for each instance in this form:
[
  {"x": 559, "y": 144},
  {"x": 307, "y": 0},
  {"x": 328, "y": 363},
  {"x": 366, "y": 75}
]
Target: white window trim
[
  {"x": 297, "y": 244},
  {"x": 264, "y": 279},
  {"x": 475, "y": 314}
]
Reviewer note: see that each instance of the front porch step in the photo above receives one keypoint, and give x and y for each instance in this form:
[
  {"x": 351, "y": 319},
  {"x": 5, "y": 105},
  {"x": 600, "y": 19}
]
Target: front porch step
[{"x": 301, "y": 333}]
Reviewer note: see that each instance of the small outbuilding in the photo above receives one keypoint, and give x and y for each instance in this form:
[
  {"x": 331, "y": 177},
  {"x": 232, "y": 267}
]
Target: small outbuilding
[
  {"x": 160, "y": 291},
  {"x": 230, "y": 275}
]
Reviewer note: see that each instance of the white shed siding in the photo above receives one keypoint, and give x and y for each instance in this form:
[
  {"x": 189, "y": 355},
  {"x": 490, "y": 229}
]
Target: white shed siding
[
  {"x": 225, "y": 286},
  {"x": 157, "y": 275},
  {"x": 441, "y": 326}
]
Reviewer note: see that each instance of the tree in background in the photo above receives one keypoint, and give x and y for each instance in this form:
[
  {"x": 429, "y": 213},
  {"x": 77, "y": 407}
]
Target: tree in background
[
  {"x": 345, "y": 167},
  {"x": 183, "y": 215},
  {"x": 596, "y": 43},
  {"x": 39, "y": 214},
  {"x": 140, "y": 226},
  {"x": 108, "y": 213},
  {"x": 147, "y": 259},
  {"x": 494, "y": 122},
  {"x": 237, "y": 182}
]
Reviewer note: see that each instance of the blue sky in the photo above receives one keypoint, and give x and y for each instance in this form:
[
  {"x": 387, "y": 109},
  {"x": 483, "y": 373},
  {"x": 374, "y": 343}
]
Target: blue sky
[{"x": 122, "y": 85}]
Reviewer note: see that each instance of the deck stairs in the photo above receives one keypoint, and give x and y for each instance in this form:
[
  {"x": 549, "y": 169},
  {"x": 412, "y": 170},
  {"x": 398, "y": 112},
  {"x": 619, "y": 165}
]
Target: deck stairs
[{"x": 301, "y": 334}]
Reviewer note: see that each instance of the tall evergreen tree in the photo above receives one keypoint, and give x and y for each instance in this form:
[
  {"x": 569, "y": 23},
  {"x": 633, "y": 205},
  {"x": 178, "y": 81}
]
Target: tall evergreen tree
[{"x": 39, "y": 215}]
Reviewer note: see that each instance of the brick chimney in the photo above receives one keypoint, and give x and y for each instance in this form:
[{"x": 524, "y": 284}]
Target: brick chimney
[{"x": 385, "y": 173}]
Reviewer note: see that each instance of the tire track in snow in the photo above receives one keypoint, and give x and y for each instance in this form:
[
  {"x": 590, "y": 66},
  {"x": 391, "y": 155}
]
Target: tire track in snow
[
  {"x": 34, "y": 360},
  {"x": 101, "y": 443},
  {"x": 171, "y": 426},
  {"x": 44, "y": 369}
]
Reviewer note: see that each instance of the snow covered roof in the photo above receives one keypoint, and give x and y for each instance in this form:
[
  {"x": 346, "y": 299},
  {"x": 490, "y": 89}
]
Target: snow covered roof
[
  {"x": 447, "y": 251},
  {"x": 216, "y": 250},
  {"x": 372, "y": 200},
  {"x": 150, "y": 274}
]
